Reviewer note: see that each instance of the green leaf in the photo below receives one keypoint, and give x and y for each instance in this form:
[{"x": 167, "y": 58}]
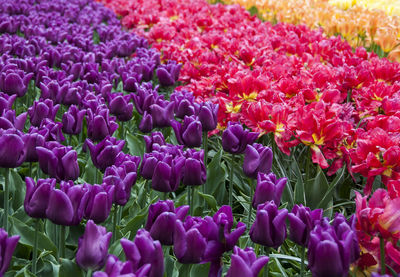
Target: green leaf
[
  {"x": 135, "y": 223},
  {"x": 315, "y": 188},
  {"x": 90, "y": 172},
  {"x": 184, "y": 270},
  {"x": 327, "y": 198},
  {"x": 209, "y": 199},
  {"x": 69, "y": 268},
  {"x": 135, "y": 145},
  {"x": 299, "y": 193},
  {"x": 199, "y": 270},
  {"x": 19, "y": 189}
]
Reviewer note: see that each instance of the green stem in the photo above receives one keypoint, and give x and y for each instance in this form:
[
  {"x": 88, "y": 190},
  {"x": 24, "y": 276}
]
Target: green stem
[
  {"x": 205, "y": 147},
  {"x": 35, "y": 246},
  {"x": 6, "y": 196},
  {"x": 62, "y": 241},
  {"x": 119, "y": 215},
  {"x": 303, "y": 254},
  {"x": 114, "y": 223},
  {"x": 89, "y": 273},
  {"x": 231, "y": 181},
  {"x": 250, "y": 202},
  {"x": 382, "y": 248},
  {"x": 266, "y": 252},
  {"x": 165, "y": 195},
  {"x": 189, "y": 194}
]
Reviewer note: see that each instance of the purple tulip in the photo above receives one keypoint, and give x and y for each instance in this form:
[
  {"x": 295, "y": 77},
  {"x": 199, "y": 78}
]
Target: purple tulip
[
  {"x": 168, "y": 73},
  {"x": 328, "y": 254},
  {"x": 269, "y": 228},
  {"x": 100, "y": 124},
  {"x": 67, "y": 204},
  {"x": 301, "y": 221},
  {"x": 184, "y": 104},
  {"x": 15, "y": 82},
  {"x": 374, "y": 274},
  {"x": 245, "y": 263},
  {"x": 93, "y": 247},
  {"x": 33, "y": 139},
  {"x": 116, "y": 268},
  {"x": 268, "y": 188},
  {"x": 342, "y": 227},
  {"x": 145, "y": 97},
  {"x": 130, "y": 80},
  {"x": 235, "y": 139},
  {"x": 6, "y": 101},
  {"x": 58, "y": 161},
  {"x": 161, "y": 220},
  {"x": 12, "y": 148},
  {"x": 120, "y": 107},
  {"x": 7, "y": 246},
  {"x": 37, "y": 196},
  {"x": 257, "y": 158},
  {"x": 144, "y": 250},
  {"x": 41, "y": 110},
  {"x": 104, "y": 154},
  {"x": 189, "y": 133},
  {"x": 99, "y": 202},
  {"x": 152, "y": 139},
  {"x": 194, "y": 170},
  {"x": 72, "y": 120},
  {"x": 207, "y": 113},
  {"x": 162, "y": 113},
  {"x": 146, "y": 124},
  {"x": 8, "y": 120},
  {"x": 54, "y": 91}
]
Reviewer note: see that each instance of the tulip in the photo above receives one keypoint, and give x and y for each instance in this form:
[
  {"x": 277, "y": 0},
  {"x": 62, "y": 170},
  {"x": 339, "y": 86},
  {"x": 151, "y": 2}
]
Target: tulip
[
  {"x": 184, "y": 104},
  {"x": 15, "y": 82},
  {"x": 257, "y": 158},
  {"x": 268, "y": 188},
  {"x": 116, "y": 268},
  {"x": 189, "y": 243},
  {"x": 130, "y": 80},
  {"x": 99, "y": 203},
  {"x": 58, "y": 161},
  {"x": 33, "y": 139},
  {"x": 6, "y": 102},
  {"x": 67, "y": 204},
  {"x": 328, "y": 255},
  {"x": 120, "y": 107},
  {"x": 301, "y": 221},
  {"x": 342, "y": 228},
  {"x": 104, "y": 154},
  {"x": 54, "y": 91},
  {"x": 7, "y": 246},
  {"x": 154, "y": 138},
  {"x": 51, "y": 130},
  {"x": 72, "y": 120},
  {"x": 8, "y": 120},
  {"x": 146, "y": 124},
  {"x": 144, "y": 250},
  {"x": 235, "y": 138},
  {"x": 269, "y": 228},
  {"x": 37, "y": 196},
  {"x": 194, "y": 170},
  {"x": 41, "y": 110},
  {"x": 122, "y": 181},
  {"x": 12, "y": 148},
  {"x": 207, "y": 113},
  {"x": 145, "y": 97},
  {"x": 167, "y": 174},
  {"x": 162, "y": 113},
  {"x": 189, "y": 132},
  {"x": 245, "y": 263},
  {"x": 161, "y": 220},
  {"x": 168, "y": 74},
  {"x": 100, "y": 124},
  {"x": 93, "y": 247}
]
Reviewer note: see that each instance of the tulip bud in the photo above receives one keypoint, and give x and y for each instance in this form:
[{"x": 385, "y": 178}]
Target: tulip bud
[
  {"x": 189, "y": 133},
  {"x": 257, "y": 158},
  {"x": 269, "y": 228},
  {"x": 207, "y": 113},
  {"x": 105, "y": 152},
  {"x": 194, "y": 170},
  {"x": 41, "y": 110},
  {"x": 145, "y": 97},
  {"x": 7, "y": 246},
  {"x": 162, "y": 113},
  {"x": 146, "y": 124},
  {"x": 168, "y": 74},
  {"x": 184, "y": 104},
  {"x": 245, "y": 263},
  {"x": 93, "y": 247},
  {"x": 100, "y": 124},
  {"x": 301, "y": 221},
  {"x": 154, "y": 138},
  {"x": 120, "y": 107},
  {"x": 37, "y": 196},
  {"x": 72, "y": 120},
  {"x": 99, "y": 203},
  {"x": 268, "y": 188},
  {"x": 12, "y": 148},
  {"x": 235, "y": 138}
]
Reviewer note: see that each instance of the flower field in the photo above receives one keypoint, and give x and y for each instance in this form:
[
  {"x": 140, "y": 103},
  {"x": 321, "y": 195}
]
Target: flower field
[{"x": 184, "y": 138}]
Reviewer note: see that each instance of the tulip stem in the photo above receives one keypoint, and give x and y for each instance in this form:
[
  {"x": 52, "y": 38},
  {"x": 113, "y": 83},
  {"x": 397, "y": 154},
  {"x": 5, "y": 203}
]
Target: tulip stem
[
  {"x": 35, "y": 246},
  {"x": 266, "y": 252},
  {"x": 250, "y": 202},
  {"x": 62, "y": 241},
  {"x": 205, "y": 147},
  {"x": 114, "y": 223},
  {"x": 189, "y": 196},
  {"x": 89, "y": 273},
  {"x": 303, "y": 254},
  {"x": 231, "y": 181},
  {"x": 382, "y": 248},
  {"x": 6, "y": 196}
]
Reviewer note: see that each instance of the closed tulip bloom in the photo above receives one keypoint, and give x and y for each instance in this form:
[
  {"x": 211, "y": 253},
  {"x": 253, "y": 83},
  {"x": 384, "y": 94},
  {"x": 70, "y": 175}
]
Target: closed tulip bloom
[
  {"x": 168, "y": 74},
  {"x": 161, "y": 220},
  {"x": 301, "y": 221},
  {"x": 268, "y": 188},
  {"x": 8, "y": 120},
  {"x": 120, "y": 106},
  {"x": 100, "y": 124},
  {"x": 67, "y": 204},
  {"x": 257, "y": 158},
  {"x": 342, "y": 228},
  {"x": 12, "y": 148},
  {"x": 99, "y": 202},
  {"x": 33, "y": 139},
  {"x": 189, "y": 243},
  {"x": 7, "y": 246},
  {"x": 6, "y": 101},
  {"x": 168, "y": 174},
  {"x": 245, "y": 263},
  {"x": 93, "y": 247},
  {"x": 162, "y": 113},
  {"x": 72, "y": 120},
  {"x": 235, "y": 139},
  {"x": 104, "y": 154},
  {"x": 269, "y": 228},
  {"x": 189, "y": 132},
  {"x": 328, "y": 255},
  {"x": 146, "y": 124},
  {"x": 145, "y": 97},
  {"x": 37, "y": 196},
  {"x": 41, "y": 110},
  {"x": 116, "y": 268},
  {"x": 130, "y": 79},
  {"x": 184, "y": 104},
  {"x": 15, "y": 82},
  {"x": 207, "y": 113},
  {"x": 144, "y": 250},
  {"x": 58, "y": 161},
  {"x": 122, "y": 181},
  {"x": 152, "y": 139},
  {"x": 194, "y": 170},
  {"x": 51, "y": 130}
]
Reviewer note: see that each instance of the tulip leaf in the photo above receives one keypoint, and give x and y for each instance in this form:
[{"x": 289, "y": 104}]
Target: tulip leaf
[
  {"x": 216, "y": 176},
  {"x": 199, "y": 270},
  {"x": 27, "y": 235},
  {"x": 134, "y": 224},
  {"x": 19, "y": 189},
  {"x": 69, "y": 268},
  {"x": 90, "y": 172},
  {"x": 209, "y": 199},
  {"x": 299, "y": 193},
  {"x": 184, "y": 270},
  {"x": 135, "y": 145},
  {"x": 281, "y": 269},
  {"x": 315, "y": 188},
  {"x": 327, "y": 198}
]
